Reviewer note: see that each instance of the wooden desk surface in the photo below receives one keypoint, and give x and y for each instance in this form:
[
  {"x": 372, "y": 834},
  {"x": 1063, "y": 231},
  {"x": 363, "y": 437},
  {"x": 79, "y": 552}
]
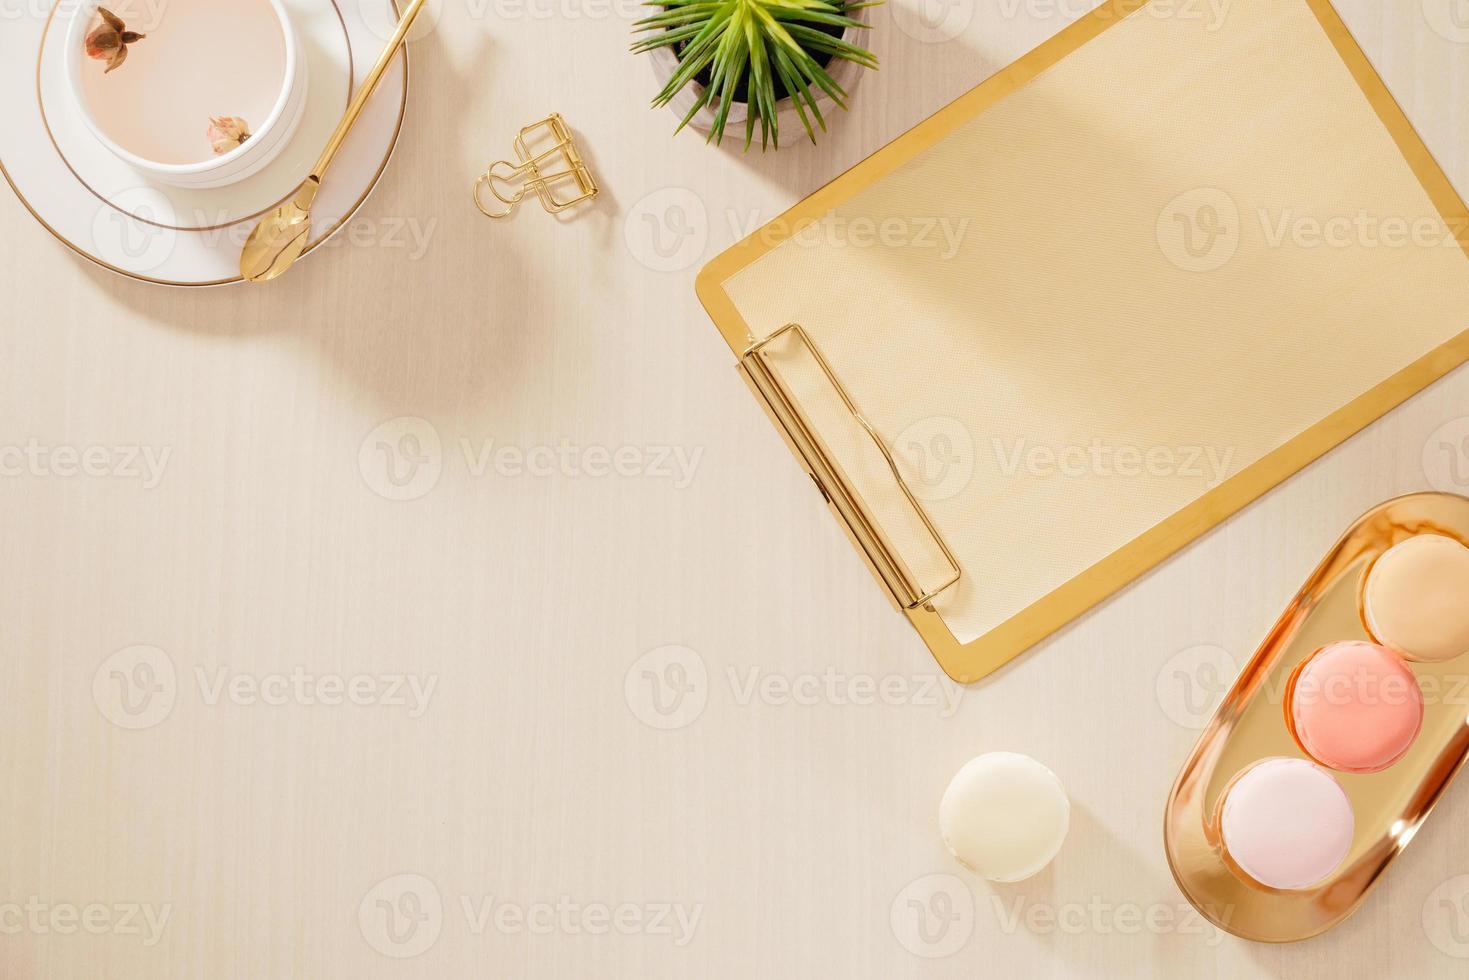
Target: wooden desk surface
[{"x": 449, "y": 609}]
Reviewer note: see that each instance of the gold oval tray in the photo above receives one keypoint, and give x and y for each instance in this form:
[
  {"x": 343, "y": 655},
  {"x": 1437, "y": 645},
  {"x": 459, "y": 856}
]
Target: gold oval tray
[{"x": 1250, "y": 725}]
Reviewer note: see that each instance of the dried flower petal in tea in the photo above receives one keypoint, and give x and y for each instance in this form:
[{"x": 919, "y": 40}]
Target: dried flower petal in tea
[
  {"x": 109, "y": 40},
  {"x": 227, "y": 132}
]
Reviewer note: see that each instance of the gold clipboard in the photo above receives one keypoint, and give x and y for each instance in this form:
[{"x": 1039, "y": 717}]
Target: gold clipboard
[{"x": 918, "y": 593}]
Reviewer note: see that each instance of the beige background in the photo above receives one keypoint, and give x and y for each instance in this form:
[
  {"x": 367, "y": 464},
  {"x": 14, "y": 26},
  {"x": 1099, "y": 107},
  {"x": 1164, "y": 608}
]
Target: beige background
[{"x": 795, "y": 831}]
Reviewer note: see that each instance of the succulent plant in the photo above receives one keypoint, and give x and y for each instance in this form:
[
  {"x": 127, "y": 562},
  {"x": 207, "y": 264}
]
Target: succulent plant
[
  {"x": 757, "y": 51},
  {"x": 109, "y": 40}
]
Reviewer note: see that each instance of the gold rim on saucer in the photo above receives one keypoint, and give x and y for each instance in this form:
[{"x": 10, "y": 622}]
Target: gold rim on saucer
[
  {"x": 46, "y": 123},
  {"x": 326, "y": 233}
]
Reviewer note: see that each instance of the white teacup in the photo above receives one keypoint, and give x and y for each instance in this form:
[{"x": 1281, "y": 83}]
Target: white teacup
[{"x": 197, "y": 60}]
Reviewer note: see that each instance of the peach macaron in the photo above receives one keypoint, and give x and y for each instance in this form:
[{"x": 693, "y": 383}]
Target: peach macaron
[{"x": 1416, "y": 600}]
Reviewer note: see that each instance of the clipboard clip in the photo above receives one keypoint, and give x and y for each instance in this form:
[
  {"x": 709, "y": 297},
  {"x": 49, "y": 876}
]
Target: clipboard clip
[
  {"x": 509, "y": 181},
  {"x": 882, "y": 556}
]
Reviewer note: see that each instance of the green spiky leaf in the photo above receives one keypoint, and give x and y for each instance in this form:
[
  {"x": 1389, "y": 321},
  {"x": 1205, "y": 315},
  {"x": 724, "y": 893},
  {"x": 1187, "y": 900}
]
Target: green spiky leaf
[{"x": 756, "y": 51}]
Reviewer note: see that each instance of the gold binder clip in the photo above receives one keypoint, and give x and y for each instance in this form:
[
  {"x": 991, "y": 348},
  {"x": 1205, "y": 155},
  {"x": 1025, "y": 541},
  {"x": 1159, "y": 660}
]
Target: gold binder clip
[{"x": 535, "y": 171}]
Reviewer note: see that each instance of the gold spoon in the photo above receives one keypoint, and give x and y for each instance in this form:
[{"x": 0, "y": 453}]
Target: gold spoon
[{"x": 281, "y": 236}]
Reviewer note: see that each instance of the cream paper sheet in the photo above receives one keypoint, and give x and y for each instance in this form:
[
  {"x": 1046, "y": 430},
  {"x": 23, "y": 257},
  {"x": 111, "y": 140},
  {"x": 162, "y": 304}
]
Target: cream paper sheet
[{"x": 1156, "y": 262}]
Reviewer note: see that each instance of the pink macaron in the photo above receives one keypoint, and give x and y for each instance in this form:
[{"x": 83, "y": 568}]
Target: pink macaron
[
  {"x": 1287, "y": 823},
  {"x": 1355, "y": 707}
]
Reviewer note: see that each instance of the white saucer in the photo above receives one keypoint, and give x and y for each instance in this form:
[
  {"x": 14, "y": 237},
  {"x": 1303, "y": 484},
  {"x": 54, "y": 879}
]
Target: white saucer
[{"x": 105, "y": 211}]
